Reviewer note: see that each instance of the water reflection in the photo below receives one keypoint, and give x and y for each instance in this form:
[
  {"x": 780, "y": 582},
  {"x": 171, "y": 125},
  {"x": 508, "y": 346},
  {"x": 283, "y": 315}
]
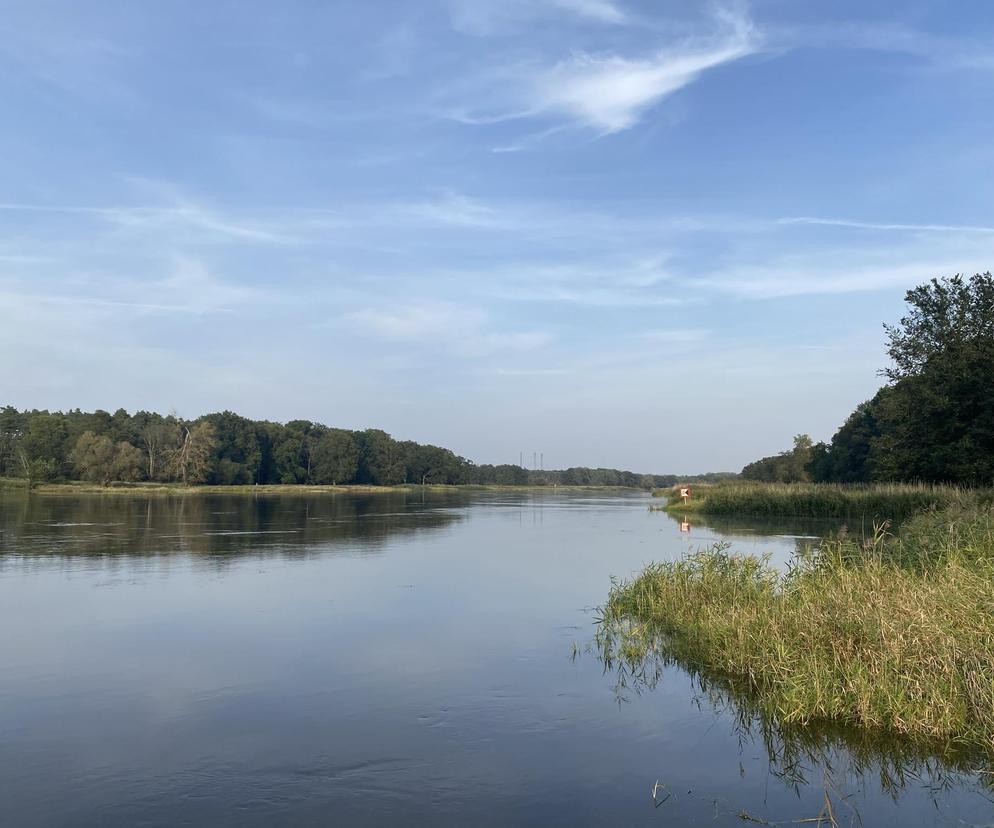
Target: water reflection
[
  {"x": 745, "y": 533},
  {"x": 215, "y": 525},
  {"x": 848, "y": 764},
  {"x": 265, "y": 660}
]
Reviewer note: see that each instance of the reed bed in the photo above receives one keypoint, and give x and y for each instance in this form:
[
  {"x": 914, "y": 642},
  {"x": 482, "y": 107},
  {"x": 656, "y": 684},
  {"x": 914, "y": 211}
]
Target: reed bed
[
  {"x": 868, "y": 502},
  {"x": 891, "y": 633}
]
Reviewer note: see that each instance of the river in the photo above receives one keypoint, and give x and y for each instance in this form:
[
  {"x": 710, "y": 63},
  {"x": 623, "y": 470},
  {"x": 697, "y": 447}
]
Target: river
[{"x": 386, "y": 659}]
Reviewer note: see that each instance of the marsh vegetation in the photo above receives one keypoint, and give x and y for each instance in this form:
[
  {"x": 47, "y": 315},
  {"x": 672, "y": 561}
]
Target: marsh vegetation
[
  {"x": 893, "y": 633},
  {"x": 861, "y": 502}
]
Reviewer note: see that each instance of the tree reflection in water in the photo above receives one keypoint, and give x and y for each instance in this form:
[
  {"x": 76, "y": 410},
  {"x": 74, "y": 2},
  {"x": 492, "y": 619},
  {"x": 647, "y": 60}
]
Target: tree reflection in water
[
  {"x": 218, "y": 527},
  {"x": 846, "y": 762}
]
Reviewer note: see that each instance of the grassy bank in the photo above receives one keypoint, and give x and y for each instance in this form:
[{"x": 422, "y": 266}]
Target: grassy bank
[
  {"x": 880, "y": 501},
  {"x": 894, "y": 634}
]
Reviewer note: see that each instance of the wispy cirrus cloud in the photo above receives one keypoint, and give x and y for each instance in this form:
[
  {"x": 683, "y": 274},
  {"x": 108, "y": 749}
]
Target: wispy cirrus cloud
[
  {"x": 780, "y": 280},
  {"x": 486, "y": 17},
  {"x": 606, "y": 91},
  {"x": 181, "y": 215},
  {"x": 188, "y": 286},
  {"x": 457, "y": 328},
  {"x": 605, "y": 11},
  {"x": 611, "y": 93},
  {"x": 956, "y": 52},
  {"x": 895, "y": 226}
]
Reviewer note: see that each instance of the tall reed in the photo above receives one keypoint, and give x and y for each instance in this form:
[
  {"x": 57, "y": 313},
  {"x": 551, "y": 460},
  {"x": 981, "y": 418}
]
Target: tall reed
[
  {"x": 895, "y": 634},
  {"x": 877, "y": 501}
]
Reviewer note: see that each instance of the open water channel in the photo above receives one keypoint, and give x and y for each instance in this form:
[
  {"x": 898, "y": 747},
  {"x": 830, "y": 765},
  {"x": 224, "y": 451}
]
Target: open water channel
[{"x": 388, "y": 659}]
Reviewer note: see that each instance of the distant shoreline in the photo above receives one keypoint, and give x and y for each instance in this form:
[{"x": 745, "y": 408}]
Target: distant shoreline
[{"x": 82, "y": 487}]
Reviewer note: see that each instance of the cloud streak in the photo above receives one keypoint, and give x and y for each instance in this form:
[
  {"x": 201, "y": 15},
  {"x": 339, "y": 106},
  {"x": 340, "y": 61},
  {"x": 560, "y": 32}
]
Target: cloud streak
[
  {"x": 901, "y": 227},
  {"x": 183, "y": 215},
  {"x": 488, "y": 17},
  {"x": 607, "y": 92},
  {"x": 458, "y": 329},
  {"x": 611, "y": 93}
]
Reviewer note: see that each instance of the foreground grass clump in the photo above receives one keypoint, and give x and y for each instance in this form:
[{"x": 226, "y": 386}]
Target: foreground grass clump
[
  {"x": 877, "y": 501},
  {"x": 895, "y": 634}
]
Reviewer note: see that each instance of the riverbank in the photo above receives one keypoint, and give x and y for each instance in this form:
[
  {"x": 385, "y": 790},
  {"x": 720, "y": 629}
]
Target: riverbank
[
  {"x": 894, "y": 634},
  {"x": 872, "y": 502},
  {"x": 85, "y": 488}
]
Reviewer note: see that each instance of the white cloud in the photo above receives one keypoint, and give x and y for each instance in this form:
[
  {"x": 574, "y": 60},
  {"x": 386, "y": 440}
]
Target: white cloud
[
  {"x": 611, "y": 93},
  {"x": 606, "y": 92}
]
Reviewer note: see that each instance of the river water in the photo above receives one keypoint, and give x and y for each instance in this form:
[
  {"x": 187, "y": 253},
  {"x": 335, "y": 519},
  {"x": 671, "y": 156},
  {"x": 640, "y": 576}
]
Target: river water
[{"x": 398, "y": 659}]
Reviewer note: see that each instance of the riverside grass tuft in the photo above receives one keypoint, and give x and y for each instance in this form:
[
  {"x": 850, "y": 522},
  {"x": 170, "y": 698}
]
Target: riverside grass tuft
[
  {"x": 867, "y": 502},
  {"x": 894, "y": 634}
]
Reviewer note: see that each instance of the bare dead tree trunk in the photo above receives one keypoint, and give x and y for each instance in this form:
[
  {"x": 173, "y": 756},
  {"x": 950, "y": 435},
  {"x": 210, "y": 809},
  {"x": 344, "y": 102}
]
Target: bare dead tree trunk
[
  {"x": 185, "y": 454},
  {"x": 26, "y": 465},
  {"x": 150, "y": 447}
]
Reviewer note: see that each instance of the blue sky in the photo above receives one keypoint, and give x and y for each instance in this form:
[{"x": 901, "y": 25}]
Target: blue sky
[{"x": 653, "y": 235}]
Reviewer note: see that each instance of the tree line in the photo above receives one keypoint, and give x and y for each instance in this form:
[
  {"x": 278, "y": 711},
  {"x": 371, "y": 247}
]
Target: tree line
[
  {"x": 933, "y": 420},
  {"x": 227, "y": 449}
]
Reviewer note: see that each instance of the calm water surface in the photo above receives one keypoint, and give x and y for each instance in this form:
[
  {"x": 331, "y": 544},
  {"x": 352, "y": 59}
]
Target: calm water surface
[{"x": 387, "y": 659}]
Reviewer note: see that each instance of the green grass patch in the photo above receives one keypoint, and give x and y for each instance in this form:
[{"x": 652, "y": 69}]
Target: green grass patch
[{"x": 895, "y": 634}]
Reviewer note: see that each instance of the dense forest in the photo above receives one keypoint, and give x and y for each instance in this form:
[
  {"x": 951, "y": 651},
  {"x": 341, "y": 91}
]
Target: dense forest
[
  {"x": 227, "y": 449},
  {"x": 934, "y": 419}
]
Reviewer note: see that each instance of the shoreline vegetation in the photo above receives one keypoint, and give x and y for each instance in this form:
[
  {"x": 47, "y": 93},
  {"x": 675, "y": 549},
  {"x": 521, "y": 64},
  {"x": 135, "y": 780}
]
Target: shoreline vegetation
[
  {"x": 225, "y": 449},
  {"x": 893, "y": 633},
  {"x": 155, "y": 488},
  {"x": 887, "y": 630},
  {"x": 864, "y": 502}
]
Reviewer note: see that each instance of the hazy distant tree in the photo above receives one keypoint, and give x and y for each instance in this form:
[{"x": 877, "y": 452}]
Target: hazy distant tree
[
  {"x": 159, "y": 438},
  {"x": 508, "y": 475},
  {"x": 124, "y": 427},
  {"x": 292, "y": 458},
  {"x": 237, "y": 451},
  {"x": 42, "y": 450},
  {"x": 336, "y": 458},
  {"x": 267, "y": 437},
  {"x": 191, "y": 460},
  {"x": 433, "y": 464},
  {"x": 381, "y": 461},
  {"x": 12, "y": 426},
  {"x": 786, "y": 467},
  {"x": 93, "y": 457},
  {"x": 129, "y": 462},
  {"x": 799, "y": 458}
]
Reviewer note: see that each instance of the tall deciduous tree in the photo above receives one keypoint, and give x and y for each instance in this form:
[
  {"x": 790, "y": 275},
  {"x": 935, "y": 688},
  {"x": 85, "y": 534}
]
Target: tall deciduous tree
[
  {"x": 937, "y": 421},
  {"x": 93, "y": 457},
  {"x": 336, "y": 457},
  {"x": 129, "y": 462}
]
